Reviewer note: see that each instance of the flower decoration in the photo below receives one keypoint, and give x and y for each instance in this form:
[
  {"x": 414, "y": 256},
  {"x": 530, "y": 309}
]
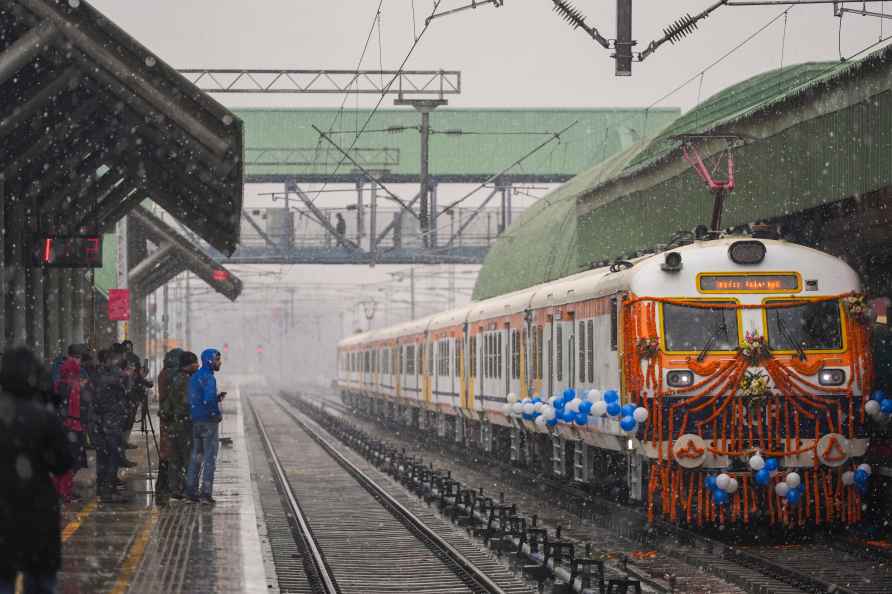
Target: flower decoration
[
  {"x": 858, "y": 309},
  {"x": 755, "y": 386},
  {"x": 754, "y": 348},
  {"x": 648, "y": 348}
]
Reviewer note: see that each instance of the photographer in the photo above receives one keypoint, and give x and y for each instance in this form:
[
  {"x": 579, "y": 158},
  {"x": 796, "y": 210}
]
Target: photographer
[{"x": 204, "y": 401}]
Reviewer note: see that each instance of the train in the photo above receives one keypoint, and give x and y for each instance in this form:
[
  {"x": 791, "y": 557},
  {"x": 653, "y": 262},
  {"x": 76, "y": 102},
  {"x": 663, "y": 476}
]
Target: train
[{"x": 719, "y": 380}]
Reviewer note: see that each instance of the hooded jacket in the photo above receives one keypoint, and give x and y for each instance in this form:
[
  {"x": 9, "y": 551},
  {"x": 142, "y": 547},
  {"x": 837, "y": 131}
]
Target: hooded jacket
[
  {"x": 203, "y": 402},
  {"x": 70, "y": 375},
  {"x": 165, "y": 380}
]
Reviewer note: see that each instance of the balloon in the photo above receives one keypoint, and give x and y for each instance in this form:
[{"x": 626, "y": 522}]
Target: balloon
[
  {"x": 861, "y": 476},
  {"x": 536, "y": 399},
  {"x": 529, "y": 408},
  {"x": 611, "y": 396},
  {"x": 512, "y": 397},
  {"x": 574, "y": 405},
  {"x": 540, "y": 421},
  {"x": 710, "y": 482},
  {"x": 848, "y": 477},
  {"x": 720, "y": 497},
  {"x": 628, "y": 424},
  {"x": 721, "y": 481},
  {"x": 594, "y": 395},
  {"x": 878, "y": 395},
  {"x": 552, "y": 400},
  {"x": 569, "y": 394},
  {"x": 547, "y": 413},
  {"x": 782, "y": 489},
  {"x": 640, "y": 415},
  {"x": 872, "y": 407},
  {"x": 569, "y": 415},
  {"x": 757, "y": 462},
  {"x": 886, "y": 406},
  {"x": 861, "y": 488},
  {"x": 866, "y": 468},
  {"x": 527, "y": 417},
  {"x": 599, "y": 408},
  {"x": 586, "y": 406},
  {"x": 551, "y": 422},
  {"x": 507, "y": 409},
  {"x": 629, "y": 409},
  {"x": 581, "y": 419},
  {"x": 771, "y": 464},
  {"x": 732, "y": 485},
  {"x": 518, "y": 408},
  {"x": 559, "y": 404},
  {"x": 793, "y": 495},
  {"x": 613, "y": 409},
  {"x": 762, "y": 476},
  {"x": 793, "y": 480}
]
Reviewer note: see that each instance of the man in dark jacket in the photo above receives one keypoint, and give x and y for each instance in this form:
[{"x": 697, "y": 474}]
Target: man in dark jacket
[
  {"x": 204, "y": 405},
  {"x": 165, "y": 377},
  {"x": 177, "y": 409},
  {"x": 106, "y": 425},
  {"x": 32, "y": 448}
]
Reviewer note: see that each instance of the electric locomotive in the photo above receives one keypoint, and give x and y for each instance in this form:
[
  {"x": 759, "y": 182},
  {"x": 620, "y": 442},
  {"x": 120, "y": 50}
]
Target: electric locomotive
[{"x": 728, "y": 380}]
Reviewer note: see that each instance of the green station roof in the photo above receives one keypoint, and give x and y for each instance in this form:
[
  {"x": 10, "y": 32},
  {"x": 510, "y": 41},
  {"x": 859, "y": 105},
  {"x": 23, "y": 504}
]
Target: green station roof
[{"x": 465, "y": 145}]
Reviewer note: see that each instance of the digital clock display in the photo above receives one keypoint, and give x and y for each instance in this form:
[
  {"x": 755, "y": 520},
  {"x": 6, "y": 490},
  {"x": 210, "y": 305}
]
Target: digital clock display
[
  {"x": 68, "y": 252},
  {"x": 749, "y": 283}
]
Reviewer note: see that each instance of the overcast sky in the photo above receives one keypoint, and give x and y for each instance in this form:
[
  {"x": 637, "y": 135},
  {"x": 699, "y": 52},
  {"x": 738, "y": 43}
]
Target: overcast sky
[{"x": 521, "y": 54}]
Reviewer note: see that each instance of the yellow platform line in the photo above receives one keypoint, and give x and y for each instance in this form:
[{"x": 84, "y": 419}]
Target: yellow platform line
[
  {"x": 78, "y": 520},
  {"x": 137, "y": 550}
]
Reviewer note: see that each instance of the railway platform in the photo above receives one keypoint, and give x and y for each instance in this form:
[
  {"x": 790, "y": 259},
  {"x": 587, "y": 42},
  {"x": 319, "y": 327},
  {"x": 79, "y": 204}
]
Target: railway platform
[{"x": 183, "y": 547}]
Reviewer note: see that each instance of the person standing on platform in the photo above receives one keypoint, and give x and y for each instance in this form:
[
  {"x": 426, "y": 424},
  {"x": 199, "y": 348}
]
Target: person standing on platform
[
  {"x": 70, "y": 384},
  {"x": 33, "y": 448},
  {"x": 180, "y": 424},
  {"x": 204, "y": 405},
  {"x": 165, "y": 377},
  {"x": 106, "y": 423}
]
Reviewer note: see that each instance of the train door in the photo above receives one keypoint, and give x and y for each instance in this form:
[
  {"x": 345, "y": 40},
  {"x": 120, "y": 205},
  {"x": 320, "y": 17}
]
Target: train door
[
  {"x": 507, "y": 358},
  {"x": 570, "y": 330}
]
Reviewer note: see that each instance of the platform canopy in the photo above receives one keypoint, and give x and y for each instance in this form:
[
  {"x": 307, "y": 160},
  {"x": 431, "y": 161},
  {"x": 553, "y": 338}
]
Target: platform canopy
[
  {"x": 93, "y": 123},
  {"x": 466, "y": 145}
]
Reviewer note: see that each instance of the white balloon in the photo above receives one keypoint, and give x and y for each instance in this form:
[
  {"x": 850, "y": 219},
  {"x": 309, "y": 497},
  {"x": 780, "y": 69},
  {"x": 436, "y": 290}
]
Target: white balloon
[
  {"x": 732, "y": 485},
  {"x": 508, "y": 409},
  {"x": 594, "y": 395},
  {"x": 872, "y": 407},
  {"x": 848, "y": 477},
  {"x": 547, "y": 413},
  {"x": 540, "y": 421},
  {"x": 552, "y": 400},
  {"x": 782, "y": 489},
  {"x": 512, "y": 398},
  {"x": 529, "y": 408},
  {"x": 518, "y": 407},
  {"x": 640, "y": 414},
  {"x": 539, "y": 406},
  {"x": 793, "y": 480},
  {"x": 757, "y": 462},
  {"x": 721, "y": 481},
  {"x": 573, "y": 405},
  {"x": 599, "y": 408},
  {"x": 866, "y": 468}
]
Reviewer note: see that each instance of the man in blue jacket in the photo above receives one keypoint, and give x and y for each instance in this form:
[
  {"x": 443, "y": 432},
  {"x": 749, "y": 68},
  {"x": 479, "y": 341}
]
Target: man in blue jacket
[{"x": 204, "y": 403}]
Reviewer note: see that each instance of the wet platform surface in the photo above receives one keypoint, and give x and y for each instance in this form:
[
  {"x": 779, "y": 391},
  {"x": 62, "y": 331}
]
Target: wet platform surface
[{"x": 184, "y": 547}]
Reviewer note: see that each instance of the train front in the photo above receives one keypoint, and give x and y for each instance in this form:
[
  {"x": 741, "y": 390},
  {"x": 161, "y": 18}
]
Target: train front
[{"x": 752, "y": 357}]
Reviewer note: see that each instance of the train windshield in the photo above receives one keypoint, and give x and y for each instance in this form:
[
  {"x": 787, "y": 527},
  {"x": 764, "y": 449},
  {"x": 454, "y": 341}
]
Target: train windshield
[
  {"x": 689, "y": 328},
  {"x": 809, "y": 326}
]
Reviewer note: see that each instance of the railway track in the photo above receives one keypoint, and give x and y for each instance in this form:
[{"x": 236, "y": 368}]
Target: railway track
[
  {"x": 353, "y": 534},
  {"x": 818, "y": 567}
]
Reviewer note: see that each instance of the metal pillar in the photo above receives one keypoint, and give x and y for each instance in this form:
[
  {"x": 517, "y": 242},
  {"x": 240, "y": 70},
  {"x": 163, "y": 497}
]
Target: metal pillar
[
  {"x": 53, "y": 317},
  {"x": 25, "y": 49},
  {"x": 373, "y": 221},
  {"x": 65, "y": 310},
  {"x": 37, "y": 312},
  {"x": 188, "y": 316},
  {"x": 424, "y": 180},
  {"x": 77, "y": 305},
  {"x": 359, "y": 214},
  {"x": 165, "y": 317},
  {"x": 509, "y": 195},
  {"x": 412, "y": 291},
  {"x": 433, "y": 216}
]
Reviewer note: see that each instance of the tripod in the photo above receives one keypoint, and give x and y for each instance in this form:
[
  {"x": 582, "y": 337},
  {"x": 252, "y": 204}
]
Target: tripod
[{"x": 146, "y": 426}]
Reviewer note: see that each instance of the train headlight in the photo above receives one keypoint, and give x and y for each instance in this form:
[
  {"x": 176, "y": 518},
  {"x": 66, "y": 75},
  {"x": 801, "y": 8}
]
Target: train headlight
[
  {"x": 831, "y": 377},
  {"x": 680, "y": 379},
  {"x": 747, "y": 252},
  {"x": 671, "y": 262}
]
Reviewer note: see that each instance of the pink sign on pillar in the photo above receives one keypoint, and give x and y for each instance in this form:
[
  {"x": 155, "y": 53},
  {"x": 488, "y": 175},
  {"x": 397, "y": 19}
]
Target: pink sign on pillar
[{"x": 118, "y": 304}]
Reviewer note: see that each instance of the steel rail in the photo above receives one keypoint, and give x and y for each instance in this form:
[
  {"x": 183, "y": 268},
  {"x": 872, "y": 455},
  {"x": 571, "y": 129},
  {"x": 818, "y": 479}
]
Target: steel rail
[
  {"x": 464, "y": 567},
  {"x": 328, "y": 582}
]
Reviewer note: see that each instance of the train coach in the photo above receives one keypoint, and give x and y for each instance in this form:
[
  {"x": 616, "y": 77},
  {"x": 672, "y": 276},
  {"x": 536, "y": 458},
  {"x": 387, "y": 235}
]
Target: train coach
[{"x": 725, "y": 380}]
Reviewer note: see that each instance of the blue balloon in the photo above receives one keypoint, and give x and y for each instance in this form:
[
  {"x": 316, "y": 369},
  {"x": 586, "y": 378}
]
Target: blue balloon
[
  {"x": 569, "y": 394},
  {"x": 720, "y": 497},
  {"x": 763, "y": 476},
  {"x": 627, "y": 423},
  {"x": 581, "y": 419},
  {"x": 527, "y": 417},
  {"x": 793, "y": 496},
  {"x": 551, "y": 422},
  {"x": 886, "y": 406},
  {"x": 861, "y": 488},
  {"x": 878, "y": 395},
  {"x": 613, "y": 409},
  {"x": 569, "y": 416},
  {"x": 611, "y": 396},
  {"x": 771, "y": 464},
  {"x": 861, "y": 476},
  {"x": 558, "y": 404},
  {"x": 536, "y": 400},
  {"x": 585, "y": 407},
  {"x": 629, "y": 409},
  {"x": 710, "y": 482}
]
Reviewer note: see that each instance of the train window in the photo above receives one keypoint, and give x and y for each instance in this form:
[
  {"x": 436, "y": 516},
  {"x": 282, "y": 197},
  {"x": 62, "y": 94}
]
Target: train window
[
  {"x": 560, "y": 352},
  {"x": 456, "y": 356},
  {"x": 445, "y": 358},
  {"x": 590, "y": 352},
  {"x": 694, "y": 329},
  {"x": 499, "y": 359},
  {"x": 420, "y": 364},
  {"x": 472, "y": 354},
  {"x": 614, "y": 324},
  {"x": 810, "y": 326},
  {"x": 582, "y": 351},
  {"x": 430, "y": 358},
  {"x": 515, "y": 355},
  {"x": 540, "y": 368}
]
